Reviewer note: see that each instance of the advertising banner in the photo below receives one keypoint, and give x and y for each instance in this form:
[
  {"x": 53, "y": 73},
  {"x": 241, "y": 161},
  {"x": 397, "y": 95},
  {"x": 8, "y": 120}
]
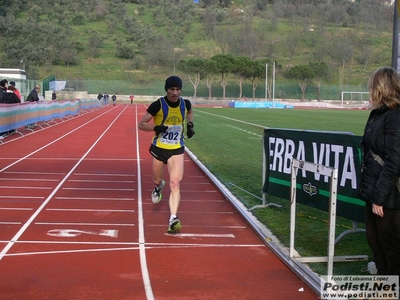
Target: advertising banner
[{"x": 339, "y": 150}]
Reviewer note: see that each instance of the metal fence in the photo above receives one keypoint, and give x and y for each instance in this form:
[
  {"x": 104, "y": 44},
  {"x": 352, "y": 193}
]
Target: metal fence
[{"x": 156, "y": 87}]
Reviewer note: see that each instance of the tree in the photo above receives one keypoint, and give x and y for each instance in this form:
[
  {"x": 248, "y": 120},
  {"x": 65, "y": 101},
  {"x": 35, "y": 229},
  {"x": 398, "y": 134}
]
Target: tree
[
  {"x": 95, "y": 43},
  {"x": 210, "y": 74},
  {"x": 303, "y": 74},
  {"x": 224, "y": 64},
  {"x": 240, "y": 69},
  {"x": 341, "y": 51},
  {"x": 320, "y": 70},
  {"x": 292, "y": 42},
  {"x": 124, "y": 50},
  {"x": 194, "y": 69},
  {"x": 256, "y": 71}
]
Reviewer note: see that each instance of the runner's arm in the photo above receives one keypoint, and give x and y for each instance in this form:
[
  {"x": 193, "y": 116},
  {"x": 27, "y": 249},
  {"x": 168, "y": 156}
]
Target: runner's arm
[{"x": 144, "y": 123}]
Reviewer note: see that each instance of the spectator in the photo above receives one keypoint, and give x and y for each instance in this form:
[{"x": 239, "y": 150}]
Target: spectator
[
  {"x": 3, "y": 90},
  {"x": 12, "y": 96},
  {"x": 99, "y": 96},
  {"x": 16, "y": 91},
  {"x": 33, "y": 97},
  {"x": 3, "y": 98},
  {"x": 11, "y": 99},
  {"x": 381, "y": 171},
  {"x": 106, "y": 97},
  {"x": 54, "y": 95},
  {"x": 114, "y": 98},
  {"x": 34, "y": 94}
]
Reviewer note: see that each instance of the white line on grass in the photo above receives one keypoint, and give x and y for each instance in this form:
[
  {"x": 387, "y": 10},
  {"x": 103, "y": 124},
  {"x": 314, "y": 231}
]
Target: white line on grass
[{"x": 232, "y": 119}]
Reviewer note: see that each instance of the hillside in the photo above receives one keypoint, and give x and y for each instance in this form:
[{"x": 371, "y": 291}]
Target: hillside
[{"x": 144, "y": 40}]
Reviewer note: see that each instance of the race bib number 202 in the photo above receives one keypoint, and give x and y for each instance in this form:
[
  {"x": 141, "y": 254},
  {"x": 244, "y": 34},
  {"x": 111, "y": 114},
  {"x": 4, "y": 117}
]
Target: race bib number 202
[{"x": 172, "y": 136}]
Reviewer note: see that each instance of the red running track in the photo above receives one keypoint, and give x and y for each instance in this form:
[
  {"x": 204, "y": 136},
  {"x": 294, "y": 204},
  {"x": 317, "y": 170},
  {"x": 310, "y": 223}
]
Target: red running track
[{"x": 77, "y": 222}]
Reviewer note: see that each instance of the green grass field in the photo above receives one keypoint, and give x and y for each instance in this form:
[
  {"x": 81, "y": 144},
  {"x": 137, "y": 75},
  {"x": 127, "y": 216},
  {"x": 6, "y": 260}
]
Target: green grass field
[{"x": 229, "y": 143}]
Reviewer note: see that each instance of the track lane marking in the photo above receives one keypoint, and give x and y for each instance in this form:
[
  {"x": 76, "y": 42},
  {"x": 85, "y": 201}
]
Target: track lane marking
[
  {"x": 5, "y": 250},
  {"x": 167, "y": 246},
  {"x": 90, "y": 209},
  {"x": 28, "y": 179},
  {"x": 26, "y": 187},
  {"x": 103, "y": 174},
  {"x": 94, "y": 199},
  {"x": 202, "y": 235},
  {"x": 142, "y": 249},
  {"x": 84, "y": 224},
  {"x": 52, "y": 142},
  {"x": 108, "y": 181},
  {"x": 21, "y": 197},
  {"x": 15, "y": 208},
  {"x": 10, "y": 223},
  {"x": 96, "y": 189}
]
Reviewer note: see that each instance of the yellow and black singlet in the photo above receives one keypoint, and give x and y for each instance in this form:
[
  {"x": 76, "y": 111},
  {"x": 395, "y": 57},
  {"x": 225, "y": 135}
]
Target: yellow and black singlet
[{"x": 174, "y": 118}]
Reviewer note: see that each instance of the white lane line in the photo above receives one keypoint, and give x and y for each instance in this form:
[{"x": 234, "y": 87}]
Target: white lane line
[
  {"x": 74, "y": 243},
  {"x": 29, "y": 179},
  {"x": 70, "y": 158},
  {"x": 110, "y": 159},
  {"x": 205, "y": 226},
  {"x": 84, "y": 224},
  {"x": 108, "y": 181},
  {"x": 10, "y": 223},
  {"x": 104, "y": 174},
  {"x": 41, "y": 207},
  {"x": 198, "y": 191},
  {"x": 142, "y": 248},
  {"x": 93, "y": 199},
  {"x": 202, "y": 235},
  {"x": 15, "y": 208},
  {"x": 96, "y": 189},
  {"x": 45, "y": 146},
  {"x": 32, "y": 173},
  {"x": 21, "y": 197},
  {"x": 71, "y": 251},
  {"x": 199, "y": 212},
  {"x": 204, "y": 201},
  {"x": 155, "y": 246},
  {"x": 91, "y": 210},
  {"x": 26, "y": 187}
]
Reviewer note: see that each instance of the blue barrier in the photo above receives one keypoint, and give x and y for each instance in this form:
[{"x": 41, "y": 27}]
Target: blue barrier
[
  {"x": 13, "y": 116},
  {"x": 258, "y": 104}
]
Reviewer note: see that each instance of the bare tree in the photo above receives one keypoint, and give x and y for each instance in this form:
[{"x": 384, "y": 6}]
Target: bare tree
[
  {"x": 341, "y": 51},
  {"x": 95, "y": 43},
  {"x": 291, "y": 43}
]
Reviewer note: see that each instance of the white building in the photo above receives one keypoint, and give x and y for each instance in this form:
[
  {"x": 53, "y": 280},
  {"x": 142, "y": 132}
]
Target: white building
[{"x": 12, "y": 73}]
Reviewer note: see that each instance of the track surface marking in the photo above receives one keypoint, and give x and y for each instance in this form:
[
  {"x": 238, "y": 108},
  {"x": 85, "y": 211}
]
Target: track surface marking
[{"x": 77, "y": 222}]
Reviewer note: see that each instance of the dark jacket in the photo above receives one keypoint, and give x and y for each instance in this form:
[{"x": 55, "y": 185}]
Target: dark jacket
[
  {"x": 382, "y": 136},
  {"x": 12, "y": 98},
  {"x": 33, "y": 96},
  {"x": 3, "y": 96}
]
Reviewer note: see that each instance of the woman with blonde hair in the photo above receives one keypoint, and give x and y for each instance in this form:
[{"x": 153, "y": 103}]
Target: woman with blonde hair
[{"x": 381, "y": 170}]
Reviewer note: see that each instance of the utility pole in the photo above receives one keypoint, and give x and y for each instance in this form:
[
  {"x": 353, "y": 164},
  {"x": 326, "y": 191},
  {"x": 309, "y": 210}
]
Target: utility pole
[{"x": 395, "y": 38}]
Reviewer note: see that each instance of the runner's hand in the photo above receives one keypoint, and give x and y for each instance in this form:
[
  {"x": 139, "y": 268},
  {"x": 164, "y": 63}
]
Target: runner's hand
[
  {"x": 160, "y": 129},
  {"x": 190, "y": 130}
]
